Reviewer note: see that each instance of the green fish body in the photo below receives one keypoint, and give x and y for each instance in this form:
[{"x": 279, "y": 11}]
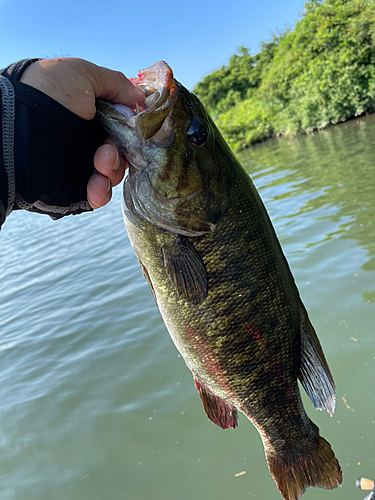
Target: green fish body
[{"x": 220, "y": 279}]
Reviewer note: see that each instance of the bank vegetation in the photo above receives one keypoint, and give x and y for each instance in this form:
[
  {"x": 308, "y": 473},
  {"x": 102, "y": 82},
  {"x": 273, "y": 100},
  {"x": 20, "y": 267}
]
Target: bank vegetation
[{"x": 322, "y": 72}]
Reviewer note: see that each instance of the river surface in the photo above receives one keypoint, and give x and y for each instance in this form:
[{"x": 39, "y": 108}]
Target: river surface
[{"x": 95, "y": 401}]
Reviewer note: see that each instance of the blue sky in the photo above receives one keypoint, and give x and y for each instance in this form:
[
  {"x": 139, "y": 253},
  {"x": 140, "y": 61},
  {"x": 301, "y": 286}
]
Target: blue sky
[{"x": 194, "y": 37}]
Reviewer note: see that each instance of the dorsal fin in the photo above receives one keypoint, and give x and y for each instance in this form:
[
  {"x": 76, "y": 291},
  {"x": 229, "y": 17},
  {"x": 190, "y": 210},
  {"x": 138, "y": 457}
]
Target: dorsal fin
[
  {"x": 315, "y": 375},
  {"x": 186, "y": 270}
]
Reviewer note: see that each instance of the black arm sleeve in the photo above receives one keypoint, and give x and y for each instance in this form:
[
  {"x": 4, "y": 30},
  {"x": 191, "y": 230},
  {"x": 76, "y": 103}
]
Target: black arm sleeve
[{"x": 53, "y": 152}]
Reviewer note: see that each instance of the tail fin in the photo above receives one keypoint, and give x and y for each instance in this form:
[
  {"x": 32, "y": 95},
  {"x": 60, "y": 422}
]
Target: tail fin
[{"x": 318, "y": 468}]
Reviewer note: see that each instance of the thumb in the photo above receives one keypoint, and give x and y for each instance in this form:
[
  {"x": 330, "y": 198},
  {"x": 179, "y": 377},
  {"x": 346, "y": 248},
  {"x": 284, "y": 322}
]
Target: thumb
[
  {"x": 76, "y": 83},
  {"x": 113, "y": 86}
]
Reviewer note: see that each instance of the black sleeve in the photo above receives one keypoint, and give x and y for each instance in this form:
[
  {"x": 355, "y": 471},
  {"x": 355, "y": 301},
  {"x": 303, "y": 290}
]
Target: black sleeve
[{"x": 52, "y": 151}]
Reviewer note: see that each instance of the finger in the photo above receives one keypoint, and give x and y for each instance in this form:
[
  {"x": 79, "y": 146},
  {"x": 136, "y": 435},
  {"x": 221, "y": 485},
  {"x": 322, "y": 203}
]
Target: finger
[
  {"x": 76, "y": 83},
  {"x": 110, "y": 163},
  {"x": 99, "y": 190},
  {"x": 110, "y": 141},
  {"x": 115, "y": 87}
]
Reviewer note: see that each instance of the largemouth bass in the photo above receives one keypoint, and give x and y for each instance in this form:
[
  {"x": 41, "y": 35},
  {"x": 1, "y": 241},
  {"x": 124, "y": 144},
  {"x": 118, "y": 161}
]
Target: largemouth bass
[{"x": 220, "y": 279}]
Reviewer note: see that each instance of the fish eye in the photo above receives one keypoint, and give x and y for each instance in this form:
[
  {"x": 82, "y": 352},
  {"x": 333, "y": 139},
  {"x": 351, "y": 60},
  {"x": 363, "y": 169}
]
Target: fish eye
[{"x": 197, "y": 133}]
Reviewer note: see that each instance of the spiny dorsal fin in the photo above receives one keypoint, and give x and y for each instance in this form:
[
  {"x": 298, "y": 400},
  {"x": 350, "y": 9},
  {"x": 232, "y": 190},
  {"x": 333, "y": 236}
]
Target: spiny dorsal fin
[
  {"x": 186, "y": 270},
  {"x": 315, "y": 375},
  {"x": 217, "y": 410}
]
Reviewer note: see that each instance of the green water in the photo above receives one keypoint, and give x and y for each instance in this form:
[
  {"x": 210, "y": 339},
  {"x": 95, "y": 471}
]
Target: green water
[{"x": 95, "y": 401}]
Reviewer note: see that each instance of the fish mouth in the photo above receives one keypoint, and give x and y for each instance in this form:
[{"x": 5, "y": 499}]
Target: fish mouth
[{"x": 151, "y": 122}]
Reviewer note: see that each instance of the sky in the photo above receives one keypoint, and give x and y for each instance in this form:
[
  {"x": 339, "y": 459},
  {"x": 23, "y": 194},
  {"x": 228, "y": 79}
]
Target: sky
[{"x": 194, "y": 37}]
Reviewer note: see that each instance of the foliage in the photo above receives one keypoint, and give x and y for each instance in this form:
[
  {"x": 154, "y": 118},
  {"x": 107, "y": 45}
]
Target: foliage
[{"x": 321, "y": 73}]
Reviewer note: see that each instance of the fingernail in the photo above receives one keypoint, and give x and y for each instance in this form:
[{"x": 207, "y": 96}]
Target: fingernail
[
  {"x": 116, "y": 166},
  {"x": 109, "y": 185}
]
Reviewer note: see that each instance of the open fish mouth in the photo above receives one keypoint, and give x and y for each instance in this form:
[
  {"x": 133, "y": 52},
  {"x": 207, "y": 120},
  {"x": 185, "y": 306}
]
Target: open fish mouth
[{"x": 152, "y": 121}]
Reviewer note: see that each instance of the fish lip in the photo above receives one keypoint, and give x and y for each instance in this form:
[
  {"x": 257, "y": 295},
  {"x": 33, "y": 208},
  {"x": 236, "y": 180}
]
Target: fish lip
[
  {"x": 152, "y": 122},
  {"x": 153, "y": 119}
]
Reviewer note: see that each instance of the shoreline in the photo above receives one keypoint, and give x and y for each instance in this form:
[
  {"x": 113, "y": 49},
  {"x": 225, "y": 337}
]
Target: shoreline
[{"x": 295, "y": 134}]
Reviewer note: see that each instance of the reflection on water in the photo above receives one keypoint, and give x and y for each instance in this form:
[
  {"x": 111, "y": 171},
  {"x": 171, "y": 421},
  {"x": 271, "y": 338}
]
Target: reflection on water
[
  {"x": 336, "y": 167},
  {"x": 96, "y": 403}
]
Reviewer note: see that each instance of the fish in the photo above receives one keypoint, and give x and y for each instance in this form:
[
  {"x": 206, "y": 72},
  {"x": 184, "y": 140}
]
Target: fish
[{"x": 215, "y": 267}]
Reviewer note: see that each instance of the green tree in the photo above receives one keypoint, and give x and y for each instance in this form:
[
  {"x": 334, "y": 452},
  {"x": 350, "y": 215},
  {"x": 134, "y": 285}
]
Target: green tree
[{"x": 320, "y": 73}]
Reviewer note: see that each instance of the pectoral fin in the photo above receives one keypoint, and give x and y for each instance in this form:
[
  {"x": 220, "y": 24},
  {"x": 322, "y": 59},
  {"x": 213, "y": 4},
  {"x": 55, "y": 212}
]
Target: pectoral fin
[
  {"x": 186, "y": 270},
  {"x": 315, "y": 375},
  {"x": 147, "y": 276},
  {"x": 217, "y": 410}
]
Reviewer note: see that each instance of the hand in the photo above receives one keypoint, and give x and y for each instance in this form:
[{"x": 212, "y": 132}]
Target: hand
[{"x": 76, "y": 84}]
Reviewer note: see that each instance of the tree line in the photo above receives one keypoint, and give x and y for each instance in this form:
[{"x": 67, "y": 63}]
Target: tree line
[{"x": 320, "y": 73}]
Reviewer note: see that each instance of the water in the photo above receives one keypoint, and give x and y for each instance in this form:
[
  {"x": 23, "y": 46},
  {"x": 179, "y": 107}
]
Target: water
[{"x": 96, "y": 403}]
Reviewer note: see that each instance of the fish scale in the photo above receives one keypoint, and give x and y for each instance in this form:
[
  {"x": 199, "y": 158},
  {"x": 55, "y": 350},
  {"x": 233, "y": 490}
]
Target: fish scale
[{"x": 222, "y": 284}]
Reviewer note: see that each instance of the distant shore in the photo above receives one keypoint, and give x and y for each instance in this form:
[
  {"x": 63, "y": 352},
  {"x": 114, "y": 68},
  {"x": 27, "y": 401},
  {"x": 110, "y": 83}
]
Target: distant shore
[
  {"x": 319, "y": 74},
  {"x": 301, "y": 132}
]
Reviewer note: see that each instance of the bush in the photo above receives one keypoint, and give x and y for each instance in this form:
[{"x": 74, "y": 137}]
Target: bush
[{"x": 321, "y": 73}]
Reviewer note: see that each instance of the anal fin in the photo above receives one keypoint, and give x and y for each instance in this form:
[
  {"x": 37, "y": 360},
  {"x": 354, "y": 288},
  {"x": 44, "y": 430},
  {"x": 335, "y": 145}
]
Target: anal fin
[
  {"x": 315, "y": 375},
  {"x": 217, "y": 410}
]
